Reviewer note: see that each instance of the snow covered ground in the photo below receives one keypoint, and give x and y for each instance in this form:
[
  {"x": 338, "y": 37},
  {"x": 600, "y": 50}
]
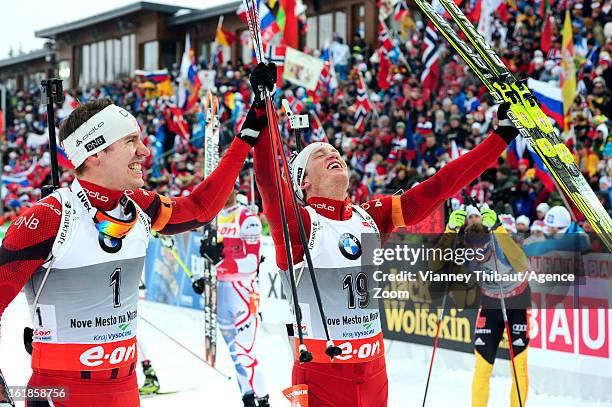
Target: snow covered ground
[{"x": 178, "y": 369}]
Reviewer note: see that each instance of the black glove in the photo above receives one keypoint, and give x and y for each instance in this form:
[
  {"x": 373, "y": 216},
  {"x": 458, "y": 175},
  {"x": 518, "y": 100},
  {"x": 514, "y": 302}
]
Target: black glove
[
  {"x": 212, "y": 252},
  {"x": 263, "y": 77},
  {"x": 198, "y": 285},
  {"x": 28, "y": 335},
  {"x": 256, "y": 120},
  {"x": 505, "y": 128}
]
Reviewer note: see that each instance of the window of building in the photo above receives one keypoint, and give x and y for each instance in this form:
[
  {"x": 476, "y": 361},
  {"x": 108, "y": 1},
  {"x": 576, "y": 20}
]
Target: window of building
[
  {"x": 311, "y": 34},
  {"x": 150, "y": 51},
  {"x": 117, "y": 57},
  {"x": 168, "y": 54},
  {"x": 93, "y": 63},
  {"x": 132, "y": 54},
  {"x": 11, "y": 84},
  {"x": 63, "y": 70},
  {"x": 85, "y": 76},
  {"x": 110, "y": 71},
  {"x": 204, "y": 52},
  {"x": 322, "y": 27},
  {"x": 246, "y": 47},
  {"x": 340, "y": 25},
  {"x": 361, "y": 22},
  {"x": 326, "y": 29},
  {"x": 101, "y": 61},
  {"x": 125, "y": 54}
]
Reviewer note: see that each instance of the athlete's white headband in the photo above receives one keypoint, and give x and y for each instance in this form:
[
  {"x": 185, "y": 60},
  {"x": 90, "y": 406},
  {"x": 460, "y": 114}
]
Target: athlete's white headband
[
  {"x": 298, "y": 168},
  {"x": 100, "y": 131}
]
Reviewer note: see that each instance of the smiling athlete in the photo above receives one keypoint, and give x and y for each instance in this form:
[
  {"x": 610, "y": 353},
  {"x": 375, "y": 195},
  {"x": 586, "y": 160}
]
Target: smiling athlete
[
  {"x": 335, "y": 229},
  {"x": 79, "y": 254}
]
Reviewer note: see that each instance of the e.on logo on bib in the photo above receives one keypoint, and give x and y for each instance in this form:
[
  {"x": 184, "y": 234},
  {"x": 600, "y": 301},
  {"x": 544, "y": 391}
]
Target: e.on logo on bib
[{"x": 560, "y": 327}]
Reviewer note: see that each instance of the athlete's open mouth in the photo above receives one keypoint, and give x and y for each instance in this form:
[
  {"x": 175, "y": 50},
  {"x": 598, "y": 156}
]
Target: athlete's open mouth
[
  {"x": 136, "y": 167},
  {"x": 334, "y": 165}
]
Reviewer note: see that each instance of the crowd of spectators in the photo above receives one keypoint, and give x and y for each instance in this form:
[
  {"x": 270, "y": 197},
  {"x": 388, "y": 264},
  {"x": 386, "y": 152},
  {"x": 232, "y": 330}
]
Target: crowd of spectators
[{"x": 408, "y": 136}]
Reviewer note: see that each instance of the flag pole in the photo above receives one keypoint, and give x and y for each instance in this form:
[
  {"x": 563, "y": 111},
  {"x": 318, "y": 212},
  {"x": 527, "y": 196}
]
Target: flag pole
[{"x": 214, "y": 50}]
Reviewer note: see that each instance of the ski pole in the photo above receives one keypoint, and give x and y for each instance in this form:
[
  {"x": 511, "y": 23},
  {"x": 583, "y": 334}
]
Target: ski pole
[
  {"x": 440, "y": 318},
  {"x": 435, "y": 346},
  {"x": 331, "y": 349},
  {"x": 298, "y": 122},
  {"x": 507, "y": 324},
  {"x": 52, "y": 93},
  {"x": 168, "y": 243},
  {"x": 253, "y": 23}
]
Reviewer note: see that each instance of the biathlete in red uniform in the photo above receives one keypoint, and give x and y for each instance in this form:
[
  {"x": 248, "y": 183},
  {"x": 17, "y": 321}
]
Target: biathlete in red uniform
[
  {"x": 335, "y": 227},
  {"x": 79, "y": 254}
]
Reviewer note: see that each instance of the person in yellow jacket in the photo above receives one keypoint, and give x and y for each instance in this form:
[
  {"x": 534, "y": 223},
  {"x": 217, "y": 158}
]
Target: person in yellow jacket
[
  {"x": 586, "y": 159},
  {"x": 501, "y": 254}
]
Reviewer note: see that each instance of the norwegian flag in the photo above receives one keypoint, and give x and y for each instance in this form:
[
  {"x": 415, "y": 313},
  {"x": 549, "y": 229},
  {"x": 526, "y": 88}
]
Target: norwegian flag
[
  {"x": 317, "y": 130},
  {"x": 362, "y": 105},
  {"x": 400, "y": 10},
  {"x": 430, "y": 57},
  {"x": 384, "y": 40},
  {"x": 297, "y": 106},
  {"x": 385, "y": 48},
  {"x": 328, "y": 77},
  {"x": 276, "y": 54},
  {"x": 384, "y": 70}
]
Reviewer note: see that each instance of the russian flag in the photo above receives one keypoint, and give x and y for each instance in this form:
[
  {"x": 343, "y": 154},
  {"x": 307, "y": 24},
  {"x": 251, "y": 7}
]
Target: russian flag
[
  {"x": 542, "y": 172},
  {"x": 10, "y": 180},
  {"x": 269, "y": 26},
  {"x": 550, "y": 98},
  {"x": 515, "y": 151},
  {"x": 62, "y": 159},
  {"x": 156, "y": 76}
]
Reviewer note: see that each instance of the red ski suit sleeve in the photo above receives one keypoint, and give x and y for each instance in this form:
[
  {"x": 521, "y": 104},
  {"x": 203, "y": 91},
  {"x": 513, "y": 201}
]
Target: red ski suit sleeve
[{"x": 388, "y": 212}]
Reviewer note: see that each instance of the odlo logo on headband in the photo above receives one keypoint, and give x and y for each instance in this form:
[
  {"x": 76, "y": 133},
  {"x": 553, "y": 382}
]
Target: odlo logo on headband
[{"x": 95, "y": 143}]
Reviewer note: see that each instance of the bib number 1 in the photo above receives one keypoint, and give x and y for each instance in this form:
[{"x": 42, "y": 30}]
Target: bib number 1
[{"x": 115, "y": 283}]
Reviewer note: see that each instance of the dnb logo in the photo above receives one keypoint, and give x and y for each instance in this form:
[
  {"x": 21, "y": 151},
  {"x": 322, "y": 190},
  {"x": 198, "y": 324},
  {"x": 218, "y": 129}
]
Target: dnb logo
[{"x": 349, "y": 246}]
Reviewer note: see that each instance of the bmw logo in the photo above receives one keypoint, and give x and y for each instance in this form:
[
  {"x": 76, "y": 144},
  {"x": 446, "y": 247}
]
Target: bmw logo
[{"x": 349, "y": 246}]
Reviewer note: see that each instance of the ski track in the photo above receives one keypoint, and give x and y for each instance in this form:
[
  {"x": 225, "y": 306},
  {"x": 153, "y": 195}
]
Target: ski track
[{"x": 177, "y": 369}]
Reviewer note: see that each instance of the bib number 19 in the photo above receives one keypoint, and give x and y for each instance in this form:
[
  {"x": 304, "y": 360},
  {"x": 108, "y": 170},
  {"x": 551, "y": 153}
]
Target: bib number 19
[{"x": 356, "y": 288}]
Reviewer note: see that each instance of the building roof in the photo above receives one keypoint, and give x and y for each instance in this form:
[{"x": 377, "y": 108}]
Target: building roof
[
  {"x": 109, "y": 15},
  {"x": 30, "y": 56},
  {"x": 197, "y": 15}
]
